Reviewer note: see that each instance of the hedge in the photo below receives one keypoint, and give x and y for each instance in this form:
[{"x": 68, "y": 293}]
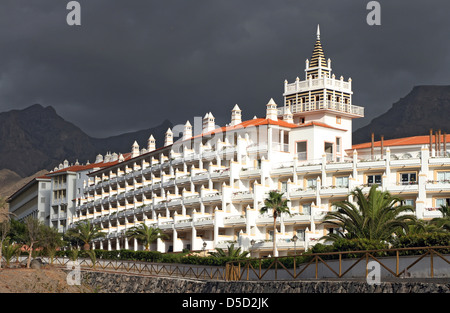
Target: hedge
[
  {"x": 342, "y": 245},
  {"x": 422, "y": 240}
]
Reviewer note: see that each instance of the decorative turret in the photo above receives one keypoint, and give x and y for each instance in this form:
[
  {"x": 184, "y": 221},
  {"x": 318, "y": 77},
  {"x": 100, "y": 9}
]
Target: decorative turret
[
  {"x": 236, "y": 116},
  {"x": 134, "y": 150},
  {"x": 187, "y": 132},
  {"x": 99, "y": 158},
  {"x": 271, "y": 111},
  {"x": 208, "y": 123},
  {"x": 151, "y": 143},
  {"x": 168, "y": 139},
  {"x": 288, "y": 116}
]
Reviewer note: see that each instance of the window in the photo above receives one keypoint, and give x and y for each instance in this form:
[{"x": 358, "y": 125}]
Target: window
[
  {"x": 442, "y": 201},
  {"x": 338, "y": 145},
  {"x": 408, "y": 178},
  {"x": 311, "y": 183},
  {"x": 301, "y": 150},
  {"x": 374, "y": 179},
  {"x": 306, "y": 209},
  {"x": 443, "y": 176},
  {"x": 43, "y": 200},
  {"x": 43, "y": 185},
  {"x": 338, "y": 120},
  {"x": 300, "y": 234},
  {"x": 408, "y": 202},
  {"x": 328, "y": 149},
  {"x": 283, "y": 186},
  {"x": 342, "y": 181}
]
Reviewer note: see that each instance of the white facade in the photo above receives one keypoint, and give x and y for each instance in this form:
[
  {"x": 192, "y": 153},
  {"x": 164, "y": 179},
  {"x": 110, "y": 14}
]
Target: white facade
[
  {"x": 32, "y": 200},
  {"x": 209, "y": 189}
]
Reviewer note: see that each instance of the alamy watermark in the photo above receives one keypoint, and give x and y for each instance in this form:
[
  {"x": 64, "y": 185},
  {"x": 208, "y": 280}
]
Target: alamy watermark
[
  {"x": 74, "y": 16},
  {"x": 374, "y": 16},
  {"x": 74, "y": 276},
  {"x": 374, "y": 273}
]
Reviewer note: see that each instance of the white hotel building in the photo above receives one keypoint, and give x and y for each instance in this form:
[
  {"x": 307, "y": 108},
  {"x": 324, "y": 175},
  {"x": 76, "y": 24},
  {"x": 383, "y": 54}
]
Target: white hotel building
[{"x": 208, "y": 188}]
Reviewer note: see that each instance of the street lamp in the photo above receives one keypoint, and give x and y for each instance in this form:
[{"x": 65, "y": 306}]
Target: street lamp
[{"x": 294, "y": 239}]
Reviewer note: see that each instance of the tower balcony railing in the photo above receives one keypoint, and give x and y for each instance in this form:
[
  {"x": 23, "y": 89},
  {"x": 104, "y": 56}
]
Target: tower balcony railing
[
  {"x": 324, "y": 105},
  {"x": 317, "y": 83}
]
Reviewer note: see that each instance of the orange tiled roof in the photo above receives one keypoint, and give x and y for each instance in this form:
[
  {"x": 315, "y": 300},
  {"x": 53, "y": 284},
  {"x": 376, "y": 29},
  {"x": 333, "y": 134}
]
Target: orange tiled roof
[
  {"x": 406, "y": 141},
  {"x": 78, "y": 168},
  {"x": 245, "y": 124}
]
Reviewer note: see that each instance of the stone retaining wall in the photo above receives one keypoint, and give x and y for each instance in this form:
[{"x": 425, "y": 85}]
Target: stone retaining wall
[{"x": 126, "y": 283}]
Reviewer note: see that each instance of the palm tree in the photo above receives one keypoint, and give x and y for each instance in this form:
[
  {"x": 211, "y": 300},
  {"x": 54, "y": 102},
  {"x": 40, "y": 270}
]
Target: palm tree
[
  {"x": 278, "y": 206},
  {"x": 444, "y": 221},
  {"x": 9, "y": 250},
  {"x": 145, "y": 235},
  {"x": 376, "y": 216},
  {"x": 85, "y": 232},
  {"x": 231, "y": 252}
]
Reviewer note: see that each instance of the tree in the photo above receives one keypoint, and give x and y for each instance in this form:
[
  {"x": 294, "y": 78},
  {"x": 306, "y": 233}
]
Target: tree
[
  {"x": 32, "y": 235},
  {"x": 231, "y": 252},
  {"x": 444, "y": 221},
  {"x": 145, "y": 235},
  {"x": 51, "y": 240},
  {"x": 375, "y": 216},
  {"x": 85, "y": 232},
  {"x": 277, "y": 205},
  {"x": 5, "y": 225}
]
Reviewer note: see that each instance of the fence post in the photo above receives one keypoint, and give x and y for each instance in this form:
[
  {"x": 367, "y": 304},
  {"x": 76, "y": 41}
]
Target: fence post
[{"x": 397, "y": 261}]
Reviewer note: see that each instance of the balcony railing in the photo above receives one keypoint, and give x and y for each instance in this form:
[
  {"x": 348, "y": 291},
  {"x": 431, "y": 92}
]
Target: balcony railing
[{"x": 324, "y": 105}]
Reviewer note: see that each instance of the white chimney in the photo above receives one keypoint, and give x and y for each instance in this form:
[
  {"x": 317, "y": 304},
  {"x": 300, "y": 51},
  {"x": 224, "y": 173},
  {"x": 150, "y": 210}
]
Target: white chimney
[
  {"x": 208, "y": 123},
  {"x": 187, "y": 133},
  {"x": 134, "y": 150},
  {"x": 168, "y": 139},
  {"x": 271, "y": 111},
  {"x": 288, "y": 116},
  {"x": 151, "y": 143},
  {"x": 236, "y": 117}
]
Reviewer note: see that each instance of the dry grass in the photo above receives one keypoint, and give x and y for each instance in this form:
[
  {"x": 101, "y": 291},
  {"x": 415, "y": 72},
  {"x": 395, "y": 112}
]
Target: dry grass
[{"x": 45, "y": 280}]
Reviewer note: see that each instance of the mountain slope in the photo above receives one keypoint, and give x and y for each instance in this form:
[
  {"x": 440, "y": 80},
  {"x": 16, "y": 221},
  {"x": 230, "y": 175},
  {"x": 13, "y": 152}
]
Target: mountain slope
[
  {"x": 425, "y": 107},
  {"x": 37, "y": 138}
]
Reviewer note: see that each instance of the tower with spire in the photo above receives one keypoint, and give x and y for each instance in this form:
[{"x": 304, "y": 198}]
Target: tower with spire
[
  {"x": 320, "y": 91},
  {"x": 321, "y": 102}
]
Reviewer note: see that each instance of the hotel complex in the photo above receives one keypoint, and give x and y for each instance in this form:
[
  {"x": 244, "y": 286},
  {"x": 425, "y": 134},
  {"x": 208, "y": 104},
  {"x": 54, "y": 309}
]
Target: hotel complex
[{"x": 205, "y": 190}]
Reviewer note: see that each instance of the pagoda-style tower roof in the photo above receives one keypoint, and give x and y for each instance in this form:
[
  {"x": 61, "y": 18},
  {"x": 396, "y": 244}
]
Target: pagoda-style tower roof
[{"x": 318, "y": 53}]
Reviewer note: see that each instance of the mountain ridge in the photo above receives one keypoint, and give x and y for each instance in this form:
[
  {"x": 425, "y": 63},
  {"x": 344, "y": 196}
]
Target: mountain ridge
[
  {"x": 425, "y": 107},
  {"x": 37, "y": 138}
]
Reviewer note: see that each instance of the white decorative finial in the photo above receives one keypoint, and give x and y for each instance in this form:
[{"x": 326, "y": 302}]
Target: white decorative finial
[{"x": 318, "y": 31}]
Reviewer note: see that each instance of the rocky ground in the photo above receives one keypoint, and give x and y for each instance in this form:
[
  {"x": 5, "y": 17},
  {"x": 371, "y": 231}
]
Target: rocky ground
[{"x": 45, "y": 280}]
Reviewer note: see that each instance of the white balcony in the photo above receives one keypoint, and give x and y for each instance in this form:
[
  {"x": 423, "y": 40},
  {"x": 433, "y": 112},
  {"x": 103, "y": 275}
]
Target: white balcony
[
  {"x": 324, "y": 105},
  {"x": 235, "y": 220}
]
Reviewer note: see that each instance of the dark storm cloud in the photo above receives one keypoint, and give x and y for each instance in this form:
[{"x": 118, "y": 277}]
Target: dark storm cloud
[{"x": 132, "y": 64}]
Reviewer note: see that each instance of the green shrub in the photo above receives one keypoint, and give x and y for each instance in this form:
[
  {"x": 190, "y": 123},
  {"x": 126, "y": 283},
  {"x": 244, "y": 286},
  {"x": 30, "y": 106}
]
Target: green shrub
[{"x": 422, "y": 240}]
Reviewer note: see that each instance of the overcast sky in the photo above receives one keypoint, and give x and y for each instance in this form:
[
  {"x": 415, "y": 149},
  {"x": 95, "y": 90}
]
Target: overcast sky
[{"x": 131, "y": 64}]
